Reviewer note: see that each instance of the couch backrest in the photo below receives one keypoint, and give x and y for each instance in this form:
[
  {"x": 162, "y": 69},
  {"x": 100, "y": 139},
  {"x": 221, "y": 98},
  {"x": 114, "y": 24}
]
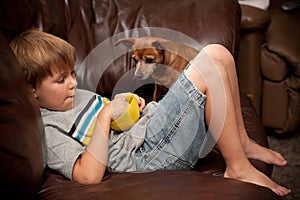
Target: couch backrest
[
  {"x": 89, "y": 24},
  {"x": 200, "y": 22}
]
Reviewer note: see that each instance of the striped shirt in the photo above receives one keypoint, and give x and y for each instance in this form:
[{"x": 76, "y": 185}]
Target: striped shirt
[
  {"x": 79, "y": 121},
  {"x": 84, "y": 124}
]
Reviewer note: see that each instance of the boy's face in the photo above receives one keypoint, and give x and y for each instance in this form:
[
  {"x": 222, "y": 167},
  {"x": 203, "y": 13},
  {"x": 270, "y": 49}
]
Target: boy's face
[{"x": 57, "y": 92}]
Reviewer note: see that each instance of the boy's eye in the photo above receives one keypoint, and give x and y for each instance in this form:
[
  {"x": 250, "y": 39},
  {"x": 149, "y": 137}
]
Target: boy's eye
[
  {"x": 61, "y": 80},
  {"x": 65, "y": 76}
]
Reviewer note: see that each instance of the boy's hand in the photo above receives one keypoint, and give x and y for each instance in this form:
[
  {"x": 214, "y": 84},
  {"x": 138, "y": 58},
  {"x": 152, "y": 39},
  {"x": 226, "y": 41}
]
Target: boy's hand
[
  {"x": 141, "y": 101},
  {"x": 118, "y": 106}
]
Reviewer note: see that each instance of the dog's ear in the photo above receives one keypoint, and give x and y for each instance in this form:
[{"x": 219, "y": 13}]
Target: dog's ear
[
  {"x": 126, "y": 41},
  {"x": 157, "y": 45}
]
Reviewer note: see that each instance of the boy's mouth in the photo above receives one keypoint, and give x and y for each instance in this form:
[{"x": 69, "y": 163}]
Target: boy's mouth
[{"x": 71, "y": 97}]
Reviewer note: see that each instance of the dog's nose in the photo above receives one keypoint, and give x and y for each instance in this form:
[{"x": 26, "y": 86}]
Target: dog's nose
[{"x": 138, "y": 76}]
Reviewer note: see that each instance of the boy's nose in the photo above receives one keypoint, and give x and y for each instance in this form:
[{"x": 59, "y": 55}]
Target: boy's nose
[{"x": 73, "y": 82}]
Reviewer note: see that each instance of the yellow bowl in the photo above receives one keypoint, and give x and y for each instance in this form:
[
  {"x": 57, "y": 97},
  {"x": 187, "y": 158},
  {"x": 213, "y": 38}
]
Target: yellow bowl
[{"x": 129, "y": 117}]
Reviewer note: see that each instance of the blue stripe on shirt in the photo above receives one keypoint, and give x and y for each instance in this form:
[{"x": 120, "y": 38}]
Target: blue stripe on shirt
[{"x": 89, "y": 120}]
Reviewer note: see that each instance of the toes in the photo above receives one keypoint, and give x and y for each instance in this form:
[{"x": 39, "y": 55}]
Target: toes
[
  {"x": 278, "y": 155},
  {"x": 281, "y": 191},
  {"x": 279, "y": 159},
  {"x": 283, "y": 163}
]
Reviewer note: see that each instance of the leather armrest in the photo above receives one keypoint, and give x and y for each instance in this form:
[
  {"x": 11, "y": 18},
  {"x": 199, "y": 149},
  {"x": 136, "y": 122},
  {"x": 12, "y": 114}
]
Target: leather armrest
[
  {"x": 254, "y": 18},
  {"x": 254, "y": 25}
]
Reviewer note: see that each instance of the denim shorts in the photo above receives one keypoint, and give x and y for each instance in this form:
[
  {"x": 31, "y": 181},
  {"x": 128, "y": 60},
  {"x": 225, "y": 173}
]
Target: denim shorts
[{"x": 176, "y": 131}]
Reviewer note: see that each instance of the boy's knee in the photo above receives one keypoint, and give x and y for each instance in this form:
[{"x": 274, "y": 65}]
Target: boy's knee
[
  {"x": 215, "y": 49},
  {"x": 219, "y": 54}
]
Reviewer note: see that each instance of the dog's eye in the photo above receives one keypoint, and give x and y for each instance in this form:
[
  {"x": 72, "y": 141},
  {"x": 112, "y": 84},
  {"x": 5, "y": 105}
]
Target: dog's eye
[
  {"x": 149, "y": 60},
  {"x": 134, "y": 60}
]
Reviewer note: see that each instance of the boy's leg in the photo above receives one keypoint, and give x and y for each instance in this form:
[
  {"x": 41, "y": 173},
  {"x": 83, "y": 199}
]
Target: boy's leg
[
  {"x": 252, "y": 150},
  {"x": 176, "y": 131},
  {"x": 212, "y": 79}
]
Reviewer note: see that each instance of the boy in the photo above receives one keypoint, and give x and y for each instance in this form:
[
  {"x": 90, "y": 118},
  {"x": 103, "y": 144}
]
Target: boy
[{"x": 169, "y": 134}]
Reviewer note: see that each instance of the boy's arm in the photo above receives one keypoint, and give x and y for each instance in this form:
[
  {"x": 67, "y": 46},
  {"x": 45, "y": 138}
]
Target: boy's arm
[{"x": 91, "y": 166}]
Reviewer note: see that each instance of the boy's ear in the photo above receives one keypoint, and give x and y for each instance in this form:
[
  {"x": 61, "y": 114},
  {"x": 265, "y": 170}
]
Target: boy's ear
[{"x": 34, "y": 92}]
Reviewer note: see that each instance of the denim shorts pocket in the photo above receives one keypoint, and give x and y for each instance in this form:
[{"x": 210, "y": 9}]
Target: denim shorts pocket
[{"x": 174, "y": 163}]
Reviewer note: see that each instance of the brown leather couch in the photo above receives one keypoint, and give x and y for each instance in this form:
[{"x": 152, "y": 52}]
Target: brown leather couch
[
  {"x": 269, "y": 62},
  {"x": 87, "y": 24}
]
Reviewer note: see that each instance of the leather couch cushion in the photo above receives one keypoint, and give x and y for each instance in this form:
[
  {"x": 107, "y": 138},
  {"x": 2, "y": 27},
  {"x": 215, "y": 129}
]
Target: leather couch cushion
[
  {"x": 286, "y": 45},
  {"x": 273, "y": 66},
  {"x": 155, "y": 185}
]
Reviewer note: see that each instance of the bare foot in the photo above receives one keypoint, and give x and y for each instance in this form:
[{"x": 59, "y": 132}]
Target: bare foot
[
  {"x": 266, "y": 155},
  {"x": 252, "y": 175}
]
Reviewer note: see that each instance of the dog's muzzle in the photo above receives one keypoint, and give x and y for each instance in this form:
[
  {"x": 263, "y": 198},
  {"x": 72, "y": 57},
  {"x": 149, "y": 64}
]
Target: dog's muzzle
[{"x": 139, "y": 76}]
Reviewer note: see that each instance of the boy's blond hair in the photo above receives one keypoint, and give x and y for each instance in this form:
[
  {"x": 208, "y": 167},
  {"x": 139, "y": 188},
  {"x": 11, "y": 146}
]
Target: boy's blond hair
[{"x": 40, "y": 54}]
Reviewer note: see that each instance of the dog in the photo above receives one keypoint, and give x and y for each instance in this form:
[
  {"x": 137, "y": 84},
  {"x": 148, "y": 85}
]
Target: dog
[{"x": 159, "y": 58}]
